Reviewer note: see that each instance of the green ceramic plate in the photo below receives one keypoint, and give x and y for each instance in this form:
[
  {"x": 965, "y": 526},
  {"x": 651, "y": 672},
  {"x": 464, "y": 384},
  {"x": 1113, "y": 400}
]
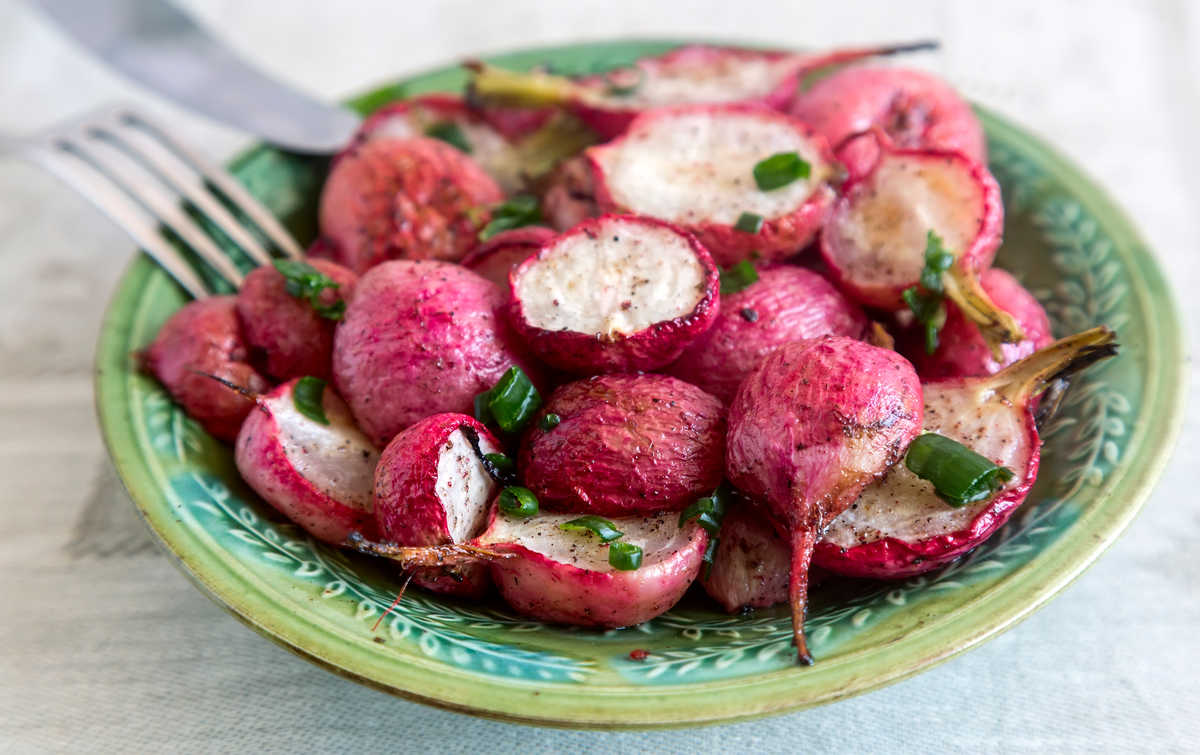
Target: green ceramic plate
[{"x": 1064, "y": 238}]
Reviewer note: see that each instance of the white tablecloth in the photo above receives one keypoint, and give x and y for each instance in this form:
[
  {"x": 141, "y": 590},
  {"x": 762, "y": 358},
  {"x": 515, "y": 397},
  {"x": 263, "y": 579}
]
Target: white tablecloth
[{"x": 106, "y": 646}]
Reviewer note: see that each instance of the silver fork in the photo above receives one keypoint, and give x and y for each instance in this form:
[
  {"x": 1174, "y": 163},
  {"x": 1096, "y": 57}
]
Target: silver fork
[{"x": 144, "y": 180}]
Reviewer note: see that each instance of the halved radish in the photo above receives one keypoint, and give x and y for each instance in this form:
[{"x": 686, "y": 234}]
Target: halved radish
[
  {"x": 785, "y": 304},
  {"x": 962, "y": 351},
  {"x": 898, "y": 526},
  {"x": 687, "y": 75},
  {"x": 286, "y": 333},
  {"x": 202, "y": 339},
  {"x": 625, "y": 444},
  {"x": 318, "y": 475},
  {"x": 496, "y": 258},
  {"x": 751, "y": 565},
  {"x": 694, "y": 166},
  {"x": 915, "y": 108},
  {"x": 874, "y": 243},
  {"x": 566, "y": 578},
  {"x": 415, "y": 198},
  {"x": 420, "y": 337},
  {"x": 615, "y": 294},
  {"x": 815, "y": 423},
  {"x": 431, "y": 488}
]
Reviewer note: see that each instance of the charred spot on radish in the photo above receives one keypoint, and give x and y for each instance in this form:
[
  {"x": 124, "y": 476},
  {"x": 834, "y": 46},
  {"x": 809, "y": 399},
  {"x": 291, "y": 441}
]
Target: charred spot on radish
[{"x": 307, "y": 395}]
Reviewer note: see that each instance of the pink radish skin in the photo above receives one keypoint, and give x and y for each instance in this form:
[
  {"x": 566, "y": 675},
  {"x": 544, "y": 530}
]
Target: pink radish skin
[
  {"x": 916, "y": 109},
  {"x": 319, "y": 476},
  {"x": 962, "y": 352},
  {"x": 204, "y": 337},
  {"x": 570, "y": 194},
  {"x": 411, "y": 198},
  {"x": 614, "y": 294},
  {"x": 874, "y": 242},
  {"x": 751, "y": 566},
  {"x": 693, "y": 166},
  {"x": 785, "y": 304},
  {"x": 420, "y": 337},
  {"x": 285, "y": 332},
  {"x": 810, "y": 427},
  {"x": 626, "y": 444},
  {"x": 431, "y": 489},
  {"x": 496, "y": 258},
  {"x": 490, "y": 147},
  {"x": 898, "y": 527},
  {"x": 565, "y": 578}
]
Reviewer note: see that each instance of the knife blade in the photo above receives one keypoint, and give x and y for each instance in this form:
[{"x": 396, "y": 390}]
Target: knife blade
[{"x": 163, "y": 48}]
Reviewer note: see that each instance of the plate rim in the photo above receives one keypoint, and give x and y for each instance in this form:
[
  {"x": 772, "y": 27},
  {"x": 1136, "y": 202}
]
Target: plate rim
[{"x": 593, "y": 707}]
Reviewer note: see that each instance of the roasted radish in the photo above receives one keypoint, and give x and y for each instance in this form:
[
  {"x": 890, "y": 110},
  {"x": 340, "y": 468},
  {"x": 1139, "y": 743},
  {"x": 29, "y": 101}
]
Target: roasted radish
[
  {"x": 288, "y": 312},
  {"x": 783, "y": 304},
  {"x": 568, "y": 576},
  {"x": 432, "y": 488},
  {"x": 887, "y": 223},
  {"x": 415, "y": 198},
  {"x": 302, "y": 452},
  {"x": 499, "y": 255},
  {"x": 916, "y": 109},
  {"x": 687, "y": 75},
  {"x": 201, "y": 340},
  {"x": 815, "y": 423},
  {"x": 419, "y": 338},
  {"x": 615, "y": 294},
  {"x": 962, "y": 352},
  {"x": 617, "y": 445},
  {"x": 747, "y": 181},
  {"x": 752, "y": 562},
  {"x": 569, "y": 196},
  {"x": 899, "y": 526}
]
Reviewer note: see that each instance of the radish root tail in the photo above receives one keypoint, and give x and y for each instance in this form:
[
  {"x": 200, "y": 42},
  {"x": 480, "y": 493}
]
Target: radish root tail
[{"x": 451, "y": 554}]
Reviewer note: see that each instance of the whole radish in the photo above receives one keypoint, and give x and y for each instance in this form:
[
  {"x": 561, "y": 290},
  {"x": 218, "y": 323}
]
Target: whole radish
[
  {"x": 815, "y": 423},
  {"x": 414, "y": 198},
  {"x": 962, "y": 350},
  {"x": 569, "y": 195},
  {"x": 419, "y": 338},
  {"x": 301, "y": 451},
  {"x": 204, "y": 339},
  {"x": 913, "y": 205},
  {"x": 916, "y": 109},
  {"x": 614, "y": 294},
  {"x": 292, "y": 333},
  {"x": 432, "y": 487},
  {"x": 619, "y": 445},
  {"x": 748, "y": 182},
  {"x": 899, "y": 526},
  {"x": 692, "y": 74},
  {"x": 752, "y": 562},
  {"x": 785, "y": 303}
]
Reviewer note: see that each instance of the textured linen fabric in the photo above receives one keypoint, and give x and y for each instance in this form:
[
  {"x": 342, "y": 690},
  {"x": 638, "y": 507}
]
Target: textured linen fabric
[{"x": 104, "y": 646}]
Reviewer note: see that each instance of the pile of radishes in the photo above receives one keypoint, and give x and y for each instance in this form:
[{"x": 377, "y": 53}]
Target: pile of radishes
[{"x": 589, "y": 340}]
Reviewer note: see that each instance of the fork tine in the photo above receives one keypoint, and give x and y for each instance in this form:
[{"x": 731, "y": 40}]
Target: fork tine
[
  {"x": 100, "y": 191},
  {"x": 171, "y": 169},
  {"x": 226, "y": 183},
  {"x": 146, "y": 188}
]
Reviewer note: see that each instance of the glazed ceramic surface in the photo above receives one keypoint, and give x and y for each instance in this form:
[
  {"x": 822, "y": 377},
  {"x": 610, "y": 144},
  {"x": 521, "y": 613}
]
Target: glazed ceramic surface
[{"x": 1063, "y": 238}]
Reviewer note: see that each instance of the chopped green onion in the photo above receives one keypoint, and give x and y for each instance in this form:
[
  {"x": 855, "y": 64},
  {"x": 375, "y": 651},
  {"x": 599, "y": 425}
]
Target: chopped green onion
[
  {"x": 779, "y": 170},
  {"x": 926, "y": 300},
  {"x": 748, "y": 222},
  {"x": 502, "y": 462},
  {"x": 625, "y": 556},
  {"x": 737, "y": 277},
  {"x": 307, "y": 397},
  {"x": 520, "y": 211},
  {"x": 550, "y": 421},
  {"x": 512, "y": 402},
  {"x": 597, "y": 525},
  {"x": 303, "y": 281},
  {"x": 451, "y": 133},
  {"x": 710, "y": 553},
  {"x": 959, "y": 475},
  {"x": 519, "y": 502},
  {"x": 708, "y": 513}
]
